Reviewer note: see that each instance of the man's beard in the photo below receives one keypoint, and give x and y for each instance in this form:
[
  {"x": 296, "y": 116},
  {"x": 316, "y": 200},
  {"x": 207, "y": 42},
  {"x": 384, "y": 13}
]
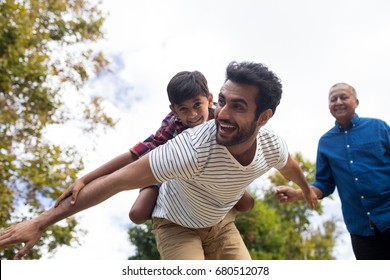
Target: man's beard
[{"x": 244, "y": 133}]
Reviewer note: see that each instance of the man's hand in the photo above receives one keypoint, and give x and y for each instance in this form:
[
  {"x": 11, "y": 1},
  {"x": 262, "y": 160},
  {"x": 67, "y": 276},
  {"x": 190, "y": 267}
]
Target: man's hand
[
  {"x": 310, "y": 197},
  {"x": 27, "y": 232}
]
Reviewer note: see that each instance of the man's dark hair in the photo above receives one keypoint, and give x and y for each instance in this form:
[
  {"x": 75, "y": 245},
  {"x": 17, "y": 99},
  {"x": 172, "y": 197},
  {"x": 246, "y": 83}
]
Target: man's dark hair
[
  {"x": 257, "y": 74},
  {"x": 186, "y": 85}
]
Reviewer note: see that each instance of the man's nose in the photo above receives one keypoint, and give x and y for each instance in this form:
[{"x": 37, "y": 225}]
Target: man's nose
[{"x": 224, "y": 112}]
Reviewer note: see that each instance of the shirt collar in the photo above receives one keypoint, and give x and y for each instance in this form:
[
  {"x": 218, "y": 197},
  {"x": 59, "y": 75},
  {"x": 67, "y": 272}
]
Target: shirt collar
[{"x": 352, "y": 124}]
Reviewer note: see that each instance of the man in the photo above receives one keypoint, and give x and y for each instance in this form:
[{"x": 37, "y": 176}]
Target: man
[
  {"x": 205, "y": 171},
  {"x": 355, "y": 156}
]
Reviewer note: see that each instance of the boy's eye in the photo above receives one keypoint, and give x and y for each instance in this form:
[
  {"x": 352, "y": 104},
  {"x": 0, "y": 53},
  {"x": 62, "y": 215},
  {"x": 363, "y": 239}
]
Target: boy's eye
[
  {"x": 183, "y": 110},
  {"x": 197, "y": 104}
]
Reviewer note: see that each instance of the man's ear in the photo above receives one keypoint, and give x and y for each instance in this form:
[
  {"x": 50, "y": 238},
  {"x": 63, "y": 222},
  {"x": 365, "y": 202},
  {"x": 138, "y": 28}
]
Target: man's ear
[
  {"x": 264, "y": 117},
  {"x": 172, "y": 107}
]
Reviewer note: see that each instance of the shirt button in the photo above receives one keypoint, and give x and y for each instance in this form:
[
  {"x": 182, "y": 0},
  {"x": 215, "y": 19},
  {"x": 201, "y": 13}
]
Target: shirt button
[
  {"x": 362, "y": 197},
  {"x": 356, "y": 179},
  {"x": 346, "y": 132},
  {"x": 368, "y": 213},
  {"x": 348, "y": 146},
  {"x": 351, "y": 161}
]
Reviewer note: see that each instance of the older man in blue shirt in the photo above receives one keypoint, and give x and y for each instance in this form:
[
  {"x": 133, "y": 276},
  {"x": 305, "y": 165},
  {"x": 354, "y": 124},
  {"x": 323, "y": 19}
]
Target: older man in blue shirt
[{"x": 355, "y": 156}]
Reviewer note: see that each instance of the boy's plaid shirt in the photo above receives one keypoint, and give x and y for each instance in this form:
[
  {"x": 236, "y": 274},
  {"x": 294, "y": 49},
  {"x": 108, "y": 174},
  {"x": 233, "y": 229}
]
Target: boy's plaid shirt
[{"x": 170, "y": 127}]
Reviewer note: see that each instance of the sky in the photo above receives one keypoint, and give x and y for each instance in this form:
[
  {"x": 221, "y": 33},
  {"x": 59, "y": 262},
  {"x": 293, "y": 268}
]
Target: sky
[{"x": 310, "y": 45}]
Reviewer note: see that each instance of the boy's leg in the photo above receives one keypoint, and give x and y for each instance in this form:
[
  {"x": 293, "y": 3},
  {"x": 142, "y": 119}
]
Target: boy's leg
[
  {"x": 175, "y": 242},
  {"x": 246, "y": 203},
  {"x": 225, "y": 241},
  {"x": 144, "y": 204}
]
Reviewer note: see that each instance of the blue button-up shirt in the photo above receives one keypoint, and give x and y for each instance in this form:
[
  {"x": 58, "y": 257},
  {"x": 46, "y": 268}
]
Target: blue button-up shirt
[{"x": 357, "y": 161}]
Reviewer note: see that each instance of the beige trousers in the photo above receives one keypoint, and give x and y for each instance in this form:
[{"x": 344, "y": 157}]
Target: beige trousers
[{"x": 219, "y": 242}]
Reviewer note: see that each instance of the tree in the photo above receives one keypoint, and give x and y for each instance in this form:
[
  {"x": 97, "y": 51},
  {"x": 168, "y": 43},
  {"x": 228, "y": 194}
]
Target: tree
[
  {"x": 142, "y": 237},
  {"x": 46, "y": 55},
  {"x": 270, "y": 230}
]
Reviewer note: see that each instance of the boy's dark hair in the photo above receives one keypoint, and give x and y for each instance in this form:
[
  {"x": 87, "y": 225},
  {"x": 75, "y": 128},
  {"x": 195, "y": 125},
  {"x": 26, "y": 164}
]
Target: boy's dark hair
[
  {"x": 257, "y": 74},
  {"x": 185, "y": 85}
]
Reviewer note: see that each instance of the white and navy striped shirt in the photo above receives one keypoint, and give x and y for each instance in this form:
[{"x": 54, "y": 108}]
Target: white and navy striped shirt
[{"x": 202, "y": 180}]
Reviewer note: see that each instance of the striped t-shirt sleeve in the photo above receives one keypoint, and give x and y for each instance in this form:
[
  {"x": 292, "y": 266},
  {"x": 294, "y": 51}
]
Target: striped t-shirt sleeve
[{"x": 175, "y": 159}]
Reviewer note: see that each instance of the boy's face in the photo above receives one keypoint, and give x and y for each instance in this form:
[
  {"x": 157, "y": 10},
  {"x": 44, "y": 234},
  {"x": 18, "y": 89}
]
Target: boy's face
[{"x": 194, "y": 111}]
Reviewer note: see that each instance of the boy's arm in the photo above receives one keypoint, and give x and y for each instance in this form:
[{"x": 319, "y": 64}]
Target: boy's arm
[
  {"x": 169, "y": 128},
  {"x": 107, "y": 168},
  {"x": 137, "y": 174},
  {"x": 293, "y": 172}
]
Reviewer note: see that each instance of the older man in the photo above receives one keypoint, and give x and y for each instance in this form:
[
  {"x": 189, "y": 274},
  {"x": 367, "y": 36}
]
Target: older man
[{"x": 355, "y": 156}]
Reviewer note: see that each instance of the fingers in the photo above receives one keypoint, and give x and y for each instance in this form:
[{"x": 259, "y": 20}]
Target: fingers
[
  {"x": 315, "y": 201},
  {"x": 20, "y": 254},
  {"x": 61, "y": 198},
  {"x": 74, "y": 196},
  {"x": 64, "y": 196},
  {"x": 312, "y": 202},
  {"x": 6, "y": 237},
  {"x": 75, "y": 193},
  {"x": 282, "y": 197}
]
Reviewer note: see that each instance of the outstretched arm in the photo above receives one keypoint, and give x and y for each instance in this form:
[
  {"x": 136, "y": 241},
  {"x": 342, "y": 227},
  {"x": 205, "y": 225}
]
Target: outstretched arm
[
  {"x": 293, "y": 172},
  {"x": 107, "y": 168},
  {"x": 137, "y": 174}
]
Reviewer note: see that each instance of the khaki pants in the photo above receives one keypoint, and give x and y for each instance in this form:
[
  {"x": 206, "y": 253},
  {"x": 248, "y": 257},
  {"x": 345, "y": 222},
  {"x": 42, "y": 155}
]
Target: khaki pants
[{"x": 219, "y": 242}]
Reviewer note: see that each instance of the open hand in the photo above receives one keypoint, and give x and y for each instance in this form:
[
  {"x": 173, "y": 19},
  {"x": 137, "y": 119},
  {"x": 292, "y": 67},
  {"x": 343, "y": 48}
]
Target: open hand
[{"x": 27, "y": 232}]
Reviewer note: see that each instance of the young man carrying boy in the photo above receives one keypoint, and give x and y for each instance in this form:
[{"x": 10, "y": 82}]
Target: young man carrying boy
[
  {"x": 191, "y": 105},
  {"x": 205, "y": 171}
]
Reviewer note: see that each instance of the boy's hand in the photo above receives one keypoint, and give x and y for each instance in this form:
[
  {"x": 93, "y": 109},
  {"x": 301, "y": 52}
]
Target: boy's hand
[
  {"x": 73, "y": 190},
  {"x": 287, "y": 194},
  {"x": 27, "y": 232}
]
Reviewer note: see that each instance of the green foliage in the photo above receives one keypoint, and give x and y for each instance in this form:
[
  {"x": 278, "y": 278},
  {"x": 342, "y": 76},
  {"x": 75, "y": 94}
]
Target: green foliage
[
  {"x": 142, "y": 237},
  {"x": 45, "y": 52},
  {"x": 271, "y": 231}
]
